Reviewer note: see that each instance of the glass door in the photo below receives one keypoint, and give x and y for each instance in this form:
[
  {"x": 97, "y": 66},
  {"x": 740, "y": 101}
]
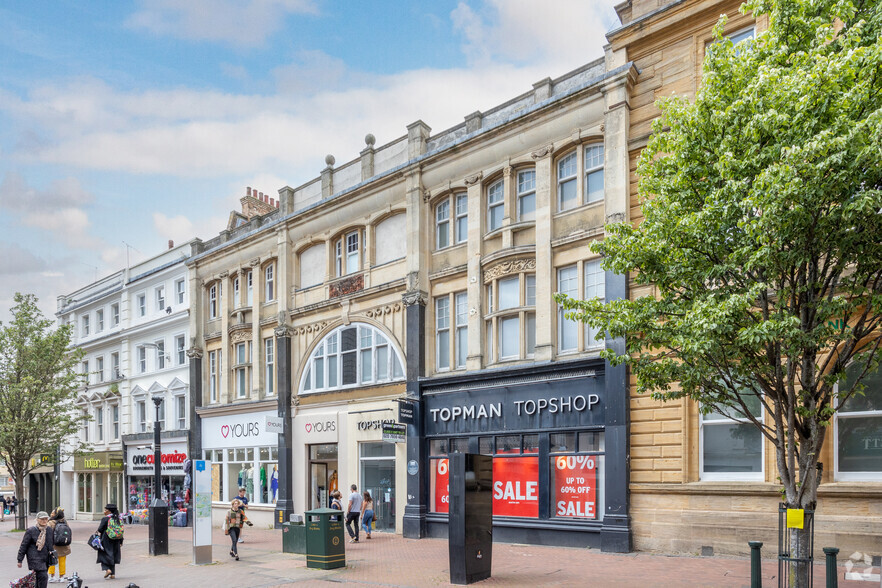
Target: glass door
[
  {"x": 378, "y": 480},
  {"x": 322, "y": 474}
]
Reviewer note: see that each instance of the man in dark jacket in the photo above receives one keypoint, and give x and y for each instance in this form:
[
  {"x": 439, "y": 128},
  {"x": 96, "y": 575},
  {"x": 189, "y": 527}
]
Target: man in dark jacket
[{"x": 36, "y": 544}]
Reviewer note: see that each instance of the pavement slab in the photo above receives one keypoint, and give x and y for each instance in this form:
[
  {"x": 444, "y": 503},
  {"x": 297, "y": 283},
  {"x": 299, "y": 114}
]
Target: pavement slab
[{"x": 388, "y": 560}]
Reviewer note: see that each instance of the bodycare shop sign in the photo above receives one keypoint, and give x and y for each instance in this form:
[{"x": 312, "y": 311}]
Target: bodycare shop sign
[{"x": 238, "y": 430}]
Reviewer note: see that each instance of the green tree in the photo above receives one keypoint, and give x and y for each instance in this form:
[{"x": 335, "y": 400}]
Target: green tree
[
  {"x": 38, "y": 386},
  {"x": 762, "y": 232}
]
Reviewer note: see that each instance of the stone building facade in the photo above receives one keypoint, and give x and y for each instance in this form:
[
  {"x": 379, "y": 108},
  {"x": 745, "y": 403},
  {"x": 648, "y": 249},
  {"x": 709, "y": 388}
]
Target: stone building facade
[{"x": 699, "y": 482}]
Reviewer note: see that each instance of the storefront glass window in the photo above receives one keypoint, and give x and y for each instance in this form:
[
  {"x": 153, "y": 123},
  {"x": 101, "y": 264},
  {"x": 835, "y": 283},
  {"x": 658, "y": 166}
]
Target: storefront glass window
[
  {"x": 378, "y": 480},
  {"x": 254, "y": 468},
  {"x": 576, "y": 475},
  {"x": 485, "y": 445},
  {"x": 859, "y": 428}
]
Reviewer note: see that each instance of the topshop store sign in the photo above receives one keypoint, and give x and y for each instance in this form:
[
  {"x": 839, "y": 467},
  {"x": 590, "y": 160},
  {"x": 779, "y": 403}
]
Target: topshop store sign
[{"x": 576, "y": 402}]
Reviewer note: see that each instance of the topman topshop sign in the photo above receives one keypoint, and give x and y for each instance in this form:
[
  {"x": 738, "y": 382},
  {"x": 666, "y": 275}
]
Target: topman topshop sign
[{"x": 573, "y": 402}]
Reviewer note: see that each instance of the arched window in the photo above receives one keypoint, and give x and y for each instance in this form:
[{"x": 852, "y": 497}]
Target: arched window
[{"x": 349, "y": 356}]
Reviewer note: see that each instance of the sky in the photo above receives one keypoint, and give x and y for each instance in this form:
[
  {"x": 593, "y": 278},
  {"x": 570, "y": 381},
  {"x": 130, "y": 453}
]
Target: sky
[{"x": 126, "y": 123}]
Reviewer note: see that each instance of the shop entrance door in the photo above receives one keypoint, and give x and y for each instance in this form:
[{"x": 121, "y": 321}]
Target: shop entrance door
[
  {"x": 378, "y": 479},
  {"x": 322, "y": 474}
]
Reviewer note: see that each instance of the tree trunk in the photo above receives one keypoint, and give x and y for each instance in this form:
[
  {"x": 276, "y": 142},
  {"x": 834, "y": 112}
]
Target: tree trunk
[
  {"x": 21, "y": 509},
  {"x": 800, "y": 547}
]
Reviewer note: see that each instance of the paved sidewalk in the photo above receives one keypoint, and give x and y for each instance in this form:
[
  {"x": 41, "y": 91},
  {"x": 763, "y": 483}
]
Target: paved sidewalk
[{"x": 387, "y": 560}]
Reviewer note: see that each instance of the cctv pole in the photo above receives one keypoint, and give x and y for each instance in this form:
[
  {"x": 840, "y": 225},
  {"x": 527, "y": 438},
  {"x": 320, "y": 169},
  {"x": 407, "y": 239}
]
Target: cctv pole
[{"x": 158, "y": 543}]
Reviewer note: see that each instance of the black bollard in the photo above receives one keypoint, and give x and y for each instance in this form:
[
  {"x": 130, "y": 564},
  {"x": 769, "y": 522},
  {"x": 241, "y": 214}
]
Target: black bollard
[
  {"x": 832, "y": 574},
  {"x": 756, "y": 564}
]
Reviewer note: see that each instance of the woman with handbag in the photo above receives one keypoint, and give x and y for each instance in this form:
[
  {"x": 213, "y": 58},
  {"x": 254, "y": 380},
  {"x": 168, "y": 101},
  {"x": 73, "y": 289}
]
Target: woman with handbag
[
  {"x": 233, "y": 525},
  {"x": 62, "y": 549},
  {"x": 37, "y": 545},
  {"x": 110, "y": 531}
]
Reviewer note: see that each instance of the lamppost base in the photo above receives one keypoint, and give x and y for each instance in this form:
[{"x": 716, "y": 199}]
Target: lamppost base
[{"x": 158, "y": 518}]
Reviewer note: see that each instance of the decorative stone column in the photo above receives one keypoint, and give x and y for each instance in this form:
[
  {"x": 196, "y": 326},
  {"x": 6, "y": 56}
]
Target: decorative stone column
[
  {"x": 285, "y": 502},
  {"x": 546, "y": 309},
  {"x": 417, "y": 457}
]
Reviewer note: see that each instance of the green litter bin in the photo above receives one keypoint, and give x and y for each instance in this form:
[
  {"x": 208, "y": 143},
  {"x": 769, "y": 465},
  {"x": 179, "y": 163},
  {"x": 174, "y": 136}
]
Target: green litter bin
[
  {"x": 325, "y": 548},
  {"x": 293, "y": 537}
]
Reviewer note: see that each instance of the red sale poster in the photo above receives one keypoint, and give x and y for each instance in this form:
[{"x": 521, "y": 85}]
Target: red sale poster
[
  {"x": 441, "y": 488},
  {"x": 516, "y": 486},
  {"x": 575, "y": 479}
]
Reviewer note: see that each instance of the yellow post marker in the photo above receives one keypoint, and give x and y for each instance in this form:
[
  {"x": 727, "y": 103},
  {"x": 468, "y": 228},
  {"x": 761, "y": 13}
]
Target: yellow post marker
[{"x": 795, "y": 518}]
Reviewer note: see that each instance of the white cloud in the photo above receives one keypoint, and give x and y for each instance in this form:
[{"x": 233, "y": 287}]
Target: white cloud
[
  {"x": 569, "y": 32},
  {"x": 241, "y": 23}
]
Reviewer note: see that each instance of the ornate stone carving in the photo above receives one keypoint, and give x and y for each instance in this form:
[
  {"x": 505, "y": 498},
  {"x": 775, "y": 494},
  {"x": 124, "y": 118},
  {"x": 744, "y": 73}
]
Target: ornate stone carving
[
  {"x": 346, "y": 286},
  {"x": 414, "y": 297},
  {"x": 543, "y": 151},
  {"x": 314, "y": 328},
  {"x": 426, "y": 195},
  {"x": 195, "y": 352},
  {"x": 472, "y": 180},
  {"x": 508, "y": 267},
  {"x": 284, "y": 331},
  {"x": 240, "y": 333},
  {"x": 413, "y": 281},
  {"x": 383, "y": 310},
  {"x": 506, "y": 171},
  {"x": 616, "y": 217}
]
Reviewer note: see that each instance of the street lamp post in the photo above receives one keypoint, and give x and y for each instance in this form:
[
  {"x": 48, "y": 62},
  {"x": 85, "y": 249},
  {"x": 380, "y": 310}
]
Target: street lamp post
[{"x": 158, "y": 509}]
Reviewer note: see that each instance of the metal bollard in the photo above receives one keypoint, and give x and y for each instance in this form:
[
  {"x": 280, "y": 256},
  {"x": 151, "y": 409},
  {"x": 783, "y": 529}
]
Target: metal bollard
[
  {"x": 756, "y": 564},
  {"x": 832, "y": 574}
]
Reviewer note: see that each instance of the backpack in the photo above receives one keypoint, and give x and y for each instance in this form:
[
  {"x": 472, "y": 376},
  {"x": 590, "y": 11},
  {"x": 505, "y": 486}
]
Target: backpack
[
  {"x": 63, "y": 535},
  {"x": 114, "y": 528}
]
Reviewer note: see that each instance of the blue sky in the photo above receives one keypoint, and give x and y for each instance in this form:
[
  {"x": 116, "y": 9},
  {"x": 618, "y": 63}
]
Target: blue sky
[{"x": 141, "y": 121}]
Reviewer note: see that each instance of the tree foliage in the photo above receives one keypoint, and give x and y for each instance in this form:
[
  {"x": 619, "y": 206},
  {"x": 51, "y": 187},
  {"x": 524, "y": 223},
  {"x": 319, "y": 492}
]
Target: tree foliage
[
  {"x": 762, "y": 231},
  {"x": 38, "y": 386}
]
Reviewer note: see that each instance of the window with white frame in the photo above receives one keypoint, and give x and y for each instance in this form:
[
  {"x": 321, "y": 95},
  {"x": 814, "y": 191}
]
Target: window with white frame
[
  {"x": 731, "y": 445},
  {"x": 447, "y": 347},
  {"x": 858, "y": 427},
  {"x": 115, "y": 374},
  {"x": 160, "y": 354},
  {"x": 114, "y": 315},
  {"x": 85, "y": 324},
  {"x": 241, "y": 368},
  {"x": 352, "y": 355},
  {"x": 86, "y": 424},
  {"x": 269, "y": 283},
  {"x": 160, "y": 418},
  {"x": 160, "y": 298},
  {"x": 269, "y": 355},
  {"x": 249, "y": 288},
  {"x": 511, "y": 317},
  {"x": 181, "y": 411},
  {"x": 142, "y": 305},
  {"x": 212, "y": 302},
  {"x": 570, "y": 336},
  {"x": 594, "y": 287},
  {"x": 236, "y": 293},
  {"x": 347, "y": 253},
  {"x": 141, "y": 409},
  {"x": 567, "y": 329},
  {"x": 85, "y": 368},
  {"x": 99, "y": 369},
  {"x": 99, "y": 320},
  {"x": 99, "y": 424},
  {"x": 142, "y": 359},
  {"x": 495, "y": 205},
  {"x": 180, "y": 349},
  {"x": 593, "y": 173},
  {"x": 180, "y": 290},
  {"x": 527, "y": 195},
  {"x": 452, "y": 221},
  {"x": 114, "y": 417},
  {"x": 213, "y": 374},
  {"x": 567, "y": 184}
]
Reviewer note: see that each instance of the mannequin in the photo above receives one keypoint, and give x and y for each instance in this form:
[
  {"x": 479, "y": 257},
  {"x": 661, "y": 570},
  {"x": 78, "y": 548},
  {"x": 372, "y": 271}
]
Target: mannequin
[
  {"x": 263, "y": 489},
  {"x": 249, "y": 483},
  {"x": 275, "y": 483}
]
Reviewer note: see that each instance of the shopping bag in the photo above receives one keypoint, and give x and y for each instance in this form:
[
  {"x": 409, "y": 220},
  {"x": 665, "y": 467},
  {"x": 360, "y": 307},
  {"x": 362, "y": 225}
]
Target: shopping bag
[
  {"x": 29, "y": 581},
  {"x": 95, "y": 542}
]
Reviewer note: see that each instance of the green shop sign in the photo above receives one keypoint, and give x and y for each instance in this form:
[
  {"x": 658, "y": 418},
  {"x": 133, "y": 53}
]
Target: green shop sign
[{"x": 104, "y": 461}]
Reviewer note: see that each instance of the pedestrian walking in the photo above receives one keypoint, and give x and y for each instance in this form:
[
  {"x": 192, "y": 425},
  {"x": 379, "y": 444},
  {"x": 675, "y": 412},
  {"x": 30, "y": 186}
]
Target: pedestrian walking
[
  {"x": 38, "y": 542},
  {"x": 62, "y": 536},
  {"x": 336, "y": 503},
  {"x": 13, "y": 502},
  {"x": 233, "y": 525},
  {"x": 244, "y": 502},
  {"x": 110, "y": 529},
  {"x": 353, "y": 512},
  {"x": 367, "y": 513}
]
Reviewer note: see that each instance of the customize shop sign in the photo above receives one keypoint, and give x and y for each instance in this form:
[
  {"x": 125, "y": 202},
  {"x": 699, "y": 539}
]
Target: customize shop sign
[
  {"x": 238, "y": 430},
  {"x": 515, "y": 486},
  {"x": 140, "y": 460}
]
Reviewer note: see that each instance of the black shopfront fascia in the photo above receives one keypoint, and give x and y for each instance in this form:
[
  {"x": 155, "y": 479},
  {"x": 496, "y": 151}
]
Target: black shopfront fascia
[{"x": 538, "y": 400}]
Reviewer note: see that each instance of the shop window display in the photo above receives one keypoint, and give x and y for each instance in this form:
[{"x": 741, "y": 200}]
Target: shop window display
[{"x": 254, "y": 469}]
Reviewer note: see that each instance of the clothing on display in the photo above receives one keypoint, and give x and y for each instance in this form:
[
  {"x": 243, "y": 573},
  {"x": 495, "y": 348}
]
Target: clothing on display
[{"x": 275, "y": 484}]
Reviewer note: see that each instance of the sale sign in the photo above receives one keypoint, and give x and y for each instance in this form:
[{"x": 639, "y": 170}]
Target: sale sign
[
  {"x": 442, "y": 485},
  {"x": 575, "y": 479},
  {"x": 516, "y": 486}
]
